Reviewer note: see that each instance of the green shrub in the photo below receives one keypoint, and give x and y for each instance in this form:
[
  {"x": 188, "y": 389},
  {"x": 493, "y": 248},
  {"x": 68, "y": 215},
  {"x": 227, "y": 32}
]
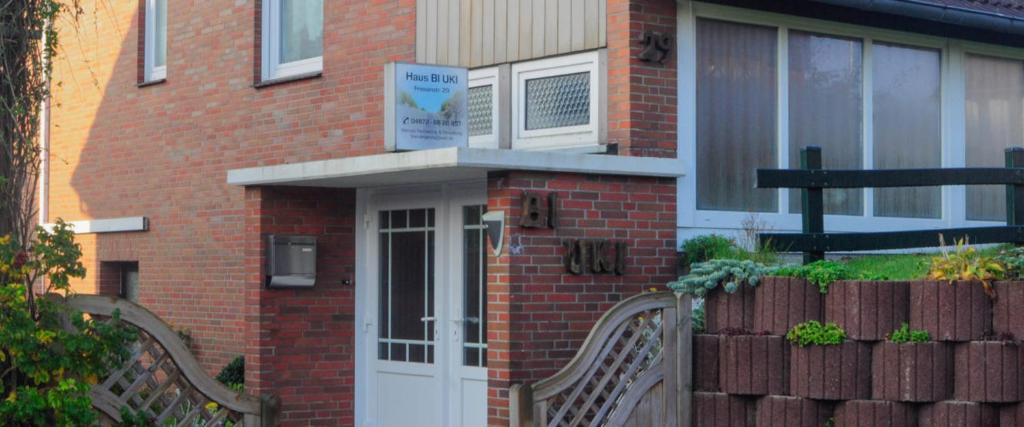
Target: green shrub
[
  {"x": 706, "y": 248},
  {"x": 697, "y": 318},
  {"x": 821, "y": 273},
  {"x": 233, "y": 374},
  {"x": 731, "y": 273},
  {"x": 1013, "y": 259},
  {"x": 812, "y": 332},
  {"x": 904, "y": 335},
  {"x": 50, "y": 354}
]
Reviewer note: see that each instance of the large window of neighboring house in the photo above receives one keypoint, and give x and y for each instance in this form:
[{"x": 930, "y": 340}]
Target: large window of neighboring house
[
  {"x": 155, "y": 48},
  {"x": 293, "y": 38},
  {"x": 756, "y": 88}
]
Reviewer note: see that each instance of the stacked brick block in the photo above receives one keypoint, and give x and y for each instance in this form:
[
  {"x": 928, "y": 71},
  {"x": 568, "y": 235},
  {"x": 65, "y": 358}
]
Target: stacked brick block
[{"x": 971, "y": 373}]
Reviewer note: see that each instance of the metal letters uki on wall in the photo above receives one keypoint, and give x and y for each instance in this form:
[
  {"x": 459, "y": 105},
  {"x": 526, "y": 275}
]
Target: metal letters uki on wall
[{"x": 595, "y": 257}]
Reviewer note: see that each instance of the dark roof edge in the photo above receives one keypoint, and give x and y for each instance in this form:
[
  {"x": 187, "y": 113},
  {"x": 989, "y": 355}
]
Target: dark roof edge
[{"x": 978, "y": 19}]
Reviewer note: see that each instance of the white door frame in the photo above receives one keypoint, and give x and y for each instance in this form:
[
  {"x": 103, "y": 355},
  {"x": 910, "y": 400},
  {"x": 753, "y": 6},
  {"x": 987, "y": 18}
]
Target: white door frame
[{"x": 440, "y": 197}]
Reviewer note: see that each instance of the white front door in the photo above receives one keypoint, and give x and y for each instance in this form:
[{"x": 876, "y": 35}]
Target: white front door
[{"x": 423, "y": 309}]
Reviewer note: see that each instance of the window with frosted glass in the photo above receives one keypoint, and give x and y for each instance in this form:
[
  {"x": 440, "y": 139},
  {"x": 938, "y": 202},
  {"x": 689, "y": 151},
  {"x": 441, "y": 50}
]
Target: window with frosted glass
[
  {"x": 302, "y": 30},
  {"x": 736, "y": 115},
  {"x": 825, "y": 109},
  {"x": 481, "y": 109},
  {"x": 558, "y": 101},
  {"x": 907, "y": 125},
  {"x": 994, "y": 121}
]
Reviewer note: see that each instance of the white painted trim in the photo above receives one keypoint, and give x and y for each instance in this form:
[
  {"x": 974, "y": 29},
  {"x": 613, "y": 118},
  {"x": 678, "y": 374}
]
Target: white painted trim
[
  {"x": 953, "y": 135},
  {"x": 592, "y": 133},
  {"x": 322, "y": 172},
  {"x": 271, "y": 67},
  {"x": 107, "y": 225}
]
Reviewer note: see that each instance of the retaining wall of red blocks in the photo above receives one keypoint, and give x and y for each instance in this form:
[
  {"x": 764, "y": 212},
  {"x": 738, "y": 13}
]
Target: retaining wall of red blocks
[{"x": 970, "y": 374}]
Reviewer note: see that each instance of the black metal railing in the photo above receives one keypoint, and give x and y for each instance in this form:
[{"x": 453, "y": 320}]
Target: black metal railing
[{"x": 814, "y": 242}]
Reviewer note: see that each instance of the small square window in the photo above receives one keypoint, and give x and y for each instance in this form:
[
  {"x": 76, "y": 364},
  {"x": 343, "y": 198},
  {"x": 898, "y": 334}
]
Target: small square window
[
  {"x": 120, "y": 278},
  {"x": 155, "y": 48},
  {"x": 488, "y": 107},
  {"x": 559, "y": 103},
  {"x": 293, "y": 38}
]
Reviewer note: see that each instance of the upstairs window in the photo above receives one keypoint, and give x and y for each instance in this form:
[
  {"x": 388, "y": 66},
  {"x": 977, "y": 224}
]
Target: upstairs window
[
  {"x": 293, "y": 38},
  {"x": 155, "y": 48},
  {"x": 558, "y": 103}
]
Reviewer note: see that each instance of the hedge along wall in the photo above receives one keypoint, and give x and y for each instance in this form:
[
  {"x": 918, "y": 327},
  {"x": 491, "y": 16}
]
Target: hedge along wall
[{"x": 970, "y": 374}]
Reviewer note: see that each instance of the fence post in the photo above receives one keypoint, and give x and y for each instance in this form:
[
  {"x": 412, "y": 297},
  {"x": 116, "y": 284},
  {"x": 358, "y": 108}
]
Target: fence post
[
  {"x": 812, "y": 203},
  {"x": 1015, "y": 192}
]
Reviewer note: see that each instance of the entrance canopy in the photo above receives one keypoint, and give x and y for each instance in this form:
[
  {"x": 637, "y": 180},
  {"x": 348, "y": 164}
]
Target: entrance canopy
[{"x": 446, "y": 164}]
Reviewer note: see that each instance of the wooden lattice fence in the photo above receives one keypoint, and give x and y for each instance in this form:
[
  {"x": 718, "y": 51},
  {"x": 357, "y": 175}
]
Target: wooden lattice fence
[{"x": 162, "y": 379}]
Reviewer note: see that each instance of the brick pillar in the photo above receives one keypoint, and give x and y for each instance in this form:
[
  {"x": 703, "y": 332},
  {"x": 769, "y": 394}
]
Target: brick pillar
[
  {"x": 642, "y": 108},
  {"x": 539, "y": 314},
  {"x": 300, "y": 343}
]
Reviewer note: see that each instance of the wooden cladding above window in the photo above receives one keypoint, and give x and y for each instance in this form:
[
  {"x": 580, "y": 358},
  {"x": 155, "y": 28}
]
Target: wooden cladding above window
[{"x": 475, "y": 33}]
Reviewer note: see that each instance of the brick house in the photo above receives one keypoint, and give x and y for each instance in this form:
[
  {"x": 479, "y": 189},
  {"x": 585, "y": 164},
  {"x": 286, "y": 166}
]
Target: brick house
[{"x": 183, "y": 135}]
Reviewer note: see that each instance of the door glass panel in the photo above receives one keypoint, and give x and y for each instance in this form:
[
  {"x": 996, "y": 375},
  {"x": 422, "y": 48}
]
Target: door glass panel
[
  {"x": 407, "y": 286},
  {"x": 474, "y": 287}
]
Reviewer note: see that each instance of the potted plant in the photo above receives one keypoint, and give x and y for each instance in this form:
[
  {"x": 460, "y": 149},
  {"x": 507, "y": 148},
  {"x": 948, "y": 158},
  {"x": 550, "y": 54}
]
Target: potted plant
[
  {"x": 753, "y": 364},
  {"x": 910, "y": 367},
  {"x": 988, "y": 371},
  {"x": 875, "y": 412},
  {"x": 795, "y": 294},
  {"x": 726, "y": 285},
  {"x": 824, "y": 365},
  {"x": 957, "y": 304},
  {"x": 867, "y": 310}
]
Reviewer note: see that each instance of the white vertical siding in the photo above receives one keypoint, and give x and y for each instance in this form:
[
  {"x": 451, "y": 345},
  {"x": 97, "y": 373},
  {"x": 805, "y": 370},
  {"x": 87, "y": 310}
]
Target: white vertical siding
[{"x": 475, "y": 33}]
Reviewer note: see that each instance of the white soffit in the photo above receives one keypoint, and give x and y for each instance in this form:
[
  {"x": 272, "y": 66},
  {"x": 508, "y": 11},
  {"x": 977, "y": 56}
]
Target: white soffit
[
  {"x": 447, "y": 164},
  {"x": 108, "y": 225}
]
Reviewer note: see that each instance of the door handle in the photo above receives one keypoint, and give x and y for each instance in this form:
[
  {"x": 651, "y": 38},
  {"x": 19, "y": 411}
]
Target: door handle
[
  {"x": 473, "y": 320},
  {"x": 428, "y": 319}
]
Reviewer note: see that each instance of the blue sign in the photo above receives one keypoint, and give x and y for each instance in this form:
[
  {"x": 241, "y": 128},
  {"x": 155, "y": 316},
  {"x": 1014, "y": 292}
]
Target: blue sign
[{"x": 426, "y": 106}]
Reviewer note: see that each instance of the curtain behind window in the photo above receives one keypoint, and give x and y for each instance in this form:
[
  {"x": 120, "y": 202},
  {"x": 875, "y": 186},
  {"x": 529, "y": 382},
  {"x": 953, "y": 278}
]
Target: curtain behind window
[
  {"x": 825, "y": 109},
  {"x": 994, "y": 122},
  {"x": 302, "y": 29},
  {"x": 736, "y": 115},
  {"x": 907, "y": 124},
  {"x": 160, "y": 34}
]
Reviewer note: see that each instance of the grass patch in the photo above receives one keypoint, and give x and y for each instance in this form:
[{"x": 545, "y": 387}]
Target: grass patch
[
  {"x": 901, "y": 266},
  {"x": 891, "y": 267}
]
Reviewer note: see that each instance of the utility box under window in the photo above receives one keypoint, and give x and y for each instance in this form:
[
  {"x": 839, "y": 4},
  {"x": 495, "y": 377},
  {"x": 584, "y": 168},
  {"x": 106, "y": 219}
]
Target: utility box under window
[{"x": 291, "y": 261}]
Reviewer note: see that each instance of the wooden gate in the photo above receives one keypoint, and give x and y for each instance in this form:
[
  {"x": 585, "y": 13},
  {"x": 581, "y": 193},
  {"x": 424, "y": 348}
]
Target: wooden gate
[
  {"x": 632, "y": 370},
  {"x": 163, "y": 380}
]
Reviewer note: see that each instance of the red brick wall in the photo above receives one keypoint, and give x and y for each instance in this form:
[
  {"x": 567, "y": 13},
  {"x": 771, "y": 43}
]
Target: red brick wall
[
  {"x": 300, "y": 343},
  {"x": 163, "y": 151},
  {"x": 538, "y": 313},
  {"x": 642, "y": 105}
]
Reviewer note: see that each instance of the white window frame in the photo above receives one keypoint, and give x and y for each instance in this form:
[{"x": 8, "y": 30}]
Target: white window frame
[
  {"x": 498, "y": 78},
  {"x": 271, "y": 67},
  {"x": 151, "y": 72},
  {"x": 589, "y": 137},
  {"x": 953, "y": 133}
]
